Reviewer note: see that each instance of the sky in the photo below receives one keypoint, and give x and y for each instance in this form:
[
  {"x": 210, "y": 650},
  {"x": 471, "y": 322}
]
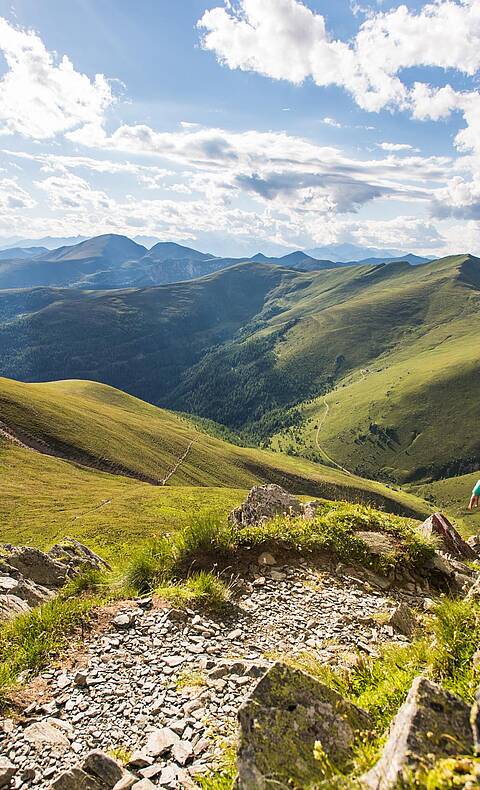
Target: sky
[{"x": 242, "y": 125}]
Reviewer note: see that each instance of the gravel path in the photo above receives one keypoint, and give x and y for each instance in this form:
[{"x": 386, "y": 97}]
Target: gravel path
[{"x": 170, "y": 683}]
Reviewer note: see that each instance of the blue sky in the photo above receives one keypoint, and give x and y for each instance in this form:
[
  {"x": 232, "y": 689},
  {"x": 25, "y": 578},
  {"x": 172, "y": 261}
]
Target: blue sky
[{"x": 243, "y": 125}]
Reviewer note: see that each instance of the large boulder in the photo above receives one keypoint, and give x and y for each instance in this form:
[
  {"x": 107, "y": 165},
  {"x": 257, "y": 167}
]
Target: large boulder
[
  {"x": 29, "y": 577},
  {"x": 438, "y": 526},
  {"x": 292, "y": 729},
  {"x": 431, "y": 724},
  {"x": 263, "y": 503}
]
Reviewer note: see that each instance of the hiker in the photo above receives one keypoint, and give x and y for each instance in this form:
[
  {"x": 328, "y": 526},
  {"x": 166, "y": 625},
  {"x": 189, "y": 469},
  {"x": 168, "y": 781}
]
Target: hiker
[{"x": 475, "y": 496}]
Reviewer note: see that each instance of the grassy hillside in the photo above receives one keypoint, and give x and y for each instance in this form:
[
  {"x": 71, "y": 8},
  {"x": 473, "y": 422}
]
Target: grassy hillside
[
  {"x": 452, "y": 495},
  {"x": 405, "y": 400},
  {"x": 257, "y": 347},
  {"x": 95, "y": 425}
]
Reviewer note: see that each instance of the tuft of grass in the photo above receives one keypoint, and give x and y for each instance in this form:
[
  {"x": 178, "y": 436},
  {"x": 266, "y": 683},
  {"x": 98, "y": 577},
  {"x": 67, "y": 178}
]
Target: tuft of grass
[
  {"x": 90, "y": 580},
  {"x": 224, "y": 777},
  {"x": 190, "y": 679},
  {"x": 30, "y": 641},
  {"x": 456, "y": 630},
  {"x": 202, "y": 588},
  {"x": 122, "y": 754},
  {"x": 204, "y": 535},
  {"x": 151, "y": 564}
]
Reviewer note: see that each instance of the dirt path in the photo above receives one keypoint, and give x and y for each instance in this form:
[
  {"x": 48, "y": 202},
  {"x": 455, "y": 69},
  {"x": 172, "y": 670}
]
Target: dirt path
[
  {"x": 177, "y": 465},
  {"x": 320, "y": 448}
]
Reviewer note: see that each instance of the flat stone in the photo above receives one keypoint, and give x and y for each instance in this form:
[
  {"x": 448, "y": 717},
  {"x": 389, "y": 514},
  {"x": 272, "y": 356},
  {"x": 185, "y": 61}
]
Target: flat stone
[
  {"x": 76, "y": 779},
  {"x": 403, "y": 620},
  {"x": 432, "y": 723},
  {"x": 161, "y": 741},
  {"x": 42, "y": 733},
  {"x": 182, "y": 751},
  {"x": 126, "y": 782},
  {"x": 139, "y": 759}
]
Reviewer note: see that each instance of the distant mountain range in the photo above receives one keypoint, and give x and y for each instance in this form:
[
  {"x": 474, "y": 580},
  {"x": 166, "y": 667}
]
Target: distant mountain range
[{"x": 113, "y": 261}]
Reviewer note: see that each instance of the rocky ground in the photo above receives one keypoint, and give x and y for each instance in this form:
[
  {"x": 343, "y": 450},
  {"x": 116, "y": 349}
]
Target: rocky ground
[{"x": 163, "y": 687}]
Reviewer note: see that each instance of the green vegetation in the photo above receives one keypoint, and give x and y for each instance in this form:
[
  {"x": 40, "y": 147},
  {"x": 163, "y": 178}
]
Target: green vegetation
[
  {"x": 33, "y": 639},
  {"x": 256, "y": 348},
  {"x": 179, "y": 567},
  {"x": 45, "y": 498}
]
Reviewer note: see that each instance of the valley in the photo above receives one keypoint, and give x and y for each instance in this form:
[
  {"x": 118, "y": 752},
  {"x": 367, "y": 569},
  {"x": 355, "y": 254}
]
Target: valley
[{"x": 264, "y": 350}]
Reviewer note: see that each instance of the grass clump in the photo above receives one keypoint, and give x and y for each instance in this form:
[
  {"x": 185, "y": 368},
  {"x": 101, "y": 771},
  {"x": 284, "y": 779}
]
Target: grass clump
[
  {"x": 29, "y": 642},
  {"x": 150, "y": 565},
  {"x": 204, "y": 535},
  {"x": 456, "y": 630},
  {"x": 203, "y": 588}
]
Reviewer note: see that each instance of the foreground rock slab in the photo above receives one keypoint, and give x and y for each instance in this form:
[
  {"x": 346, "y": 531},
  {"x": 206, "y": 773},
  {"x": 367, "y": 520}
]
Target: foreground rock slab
[
  {"x": 287, "y": 724},
  {"x": 431, "y": 724}
]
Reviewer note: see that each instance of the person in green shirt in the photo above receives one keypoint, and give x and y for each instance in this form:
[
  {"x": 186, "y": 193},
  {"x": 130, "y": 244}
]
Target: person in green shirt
[{"x": 475, "y": 496}]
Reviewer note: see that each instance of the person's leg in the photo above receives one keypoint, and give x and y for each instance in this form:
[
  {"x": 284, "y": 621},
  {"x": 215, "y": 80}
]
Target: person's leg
[{"x": 473, "y": 502}]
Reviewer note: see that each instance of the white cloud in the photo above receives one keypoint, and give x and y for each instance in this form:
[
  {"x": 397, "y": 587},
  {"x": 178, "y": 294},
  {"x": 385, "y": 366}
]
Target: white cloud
[
  {"x": 254, "y": 35},
  {"x": 13, "y": 196},
  {"x": 41, "y": 95},
  {"x": 331, "y": 122},
  {"x": 396, "y": 147},
  {"x": 70, "y": 192}
]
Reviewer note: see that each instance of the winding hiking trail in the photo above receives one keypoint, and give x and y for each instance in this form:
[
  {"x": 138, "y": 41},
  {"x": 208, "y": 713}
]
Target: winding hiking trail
[
  {"x": 320, "y": 425},
  {"x": 320, "y": 448}
]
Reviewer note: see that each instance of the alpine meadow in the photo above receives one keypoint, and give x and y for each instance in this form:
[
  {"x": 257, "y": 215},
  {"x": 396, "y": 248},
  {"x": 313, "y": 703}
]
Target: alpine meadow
[{"x": 239, "y": 395}]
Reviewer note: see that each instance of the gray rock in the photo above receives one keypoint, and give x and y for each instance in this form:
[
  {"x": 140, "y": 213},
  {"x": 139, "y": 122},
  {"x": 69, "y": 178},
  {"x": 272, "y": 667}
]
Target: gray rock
[
  {"x": 287, "y": 714},
  {"x": 7, "y": 771},
  {"x": 29, "y": 577},
  {"x": 42, "y": 734},
  {"x": 438, "y": 526},
  {"x": 264, "y": 502},
  {"x": 266, "y": 559},
  {"x": 76, "y": 779},
  {"x": 143, "y": 784},
  {"x": 161, "y": 741},
  {"x": 431, "y": 723},
  {"x": 403, "y": 620},
  {"x": 123, "y": 621},
  {"x": 105, "y": 768}
]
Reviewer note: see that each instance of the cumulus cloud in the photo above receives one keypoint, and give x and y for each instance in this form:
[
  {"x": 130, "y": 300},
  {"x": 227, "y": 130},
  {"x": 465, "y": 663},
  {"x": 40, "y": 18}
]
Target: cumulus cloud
[
  {"x": 13, "y": 196},
  {"x": 72, "y": 193},
  {"x": 253, "y": 35},
  {"x": 41, "y": 95}
]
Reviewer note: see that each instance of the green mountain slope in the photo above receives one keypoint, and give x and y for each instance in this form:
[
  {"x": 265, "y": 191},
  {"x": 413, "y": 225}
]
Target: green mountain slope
[
  {"x": 106, "y": 430},
  {"x": 407, "y": 407},
  {"x": 257, "y": 347}
]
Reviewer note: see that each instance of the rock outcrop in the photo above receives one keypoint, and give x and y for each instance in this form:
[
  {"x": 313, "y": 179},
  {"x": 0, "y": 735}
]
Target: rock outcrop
[
  {"x": 263, "y": 503},
  {"x": 292, "y": 729},
  {"x": 29, "y": 577},
  {"x": 431, "y": 724},
  {"x": 438, "y": 526}
]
